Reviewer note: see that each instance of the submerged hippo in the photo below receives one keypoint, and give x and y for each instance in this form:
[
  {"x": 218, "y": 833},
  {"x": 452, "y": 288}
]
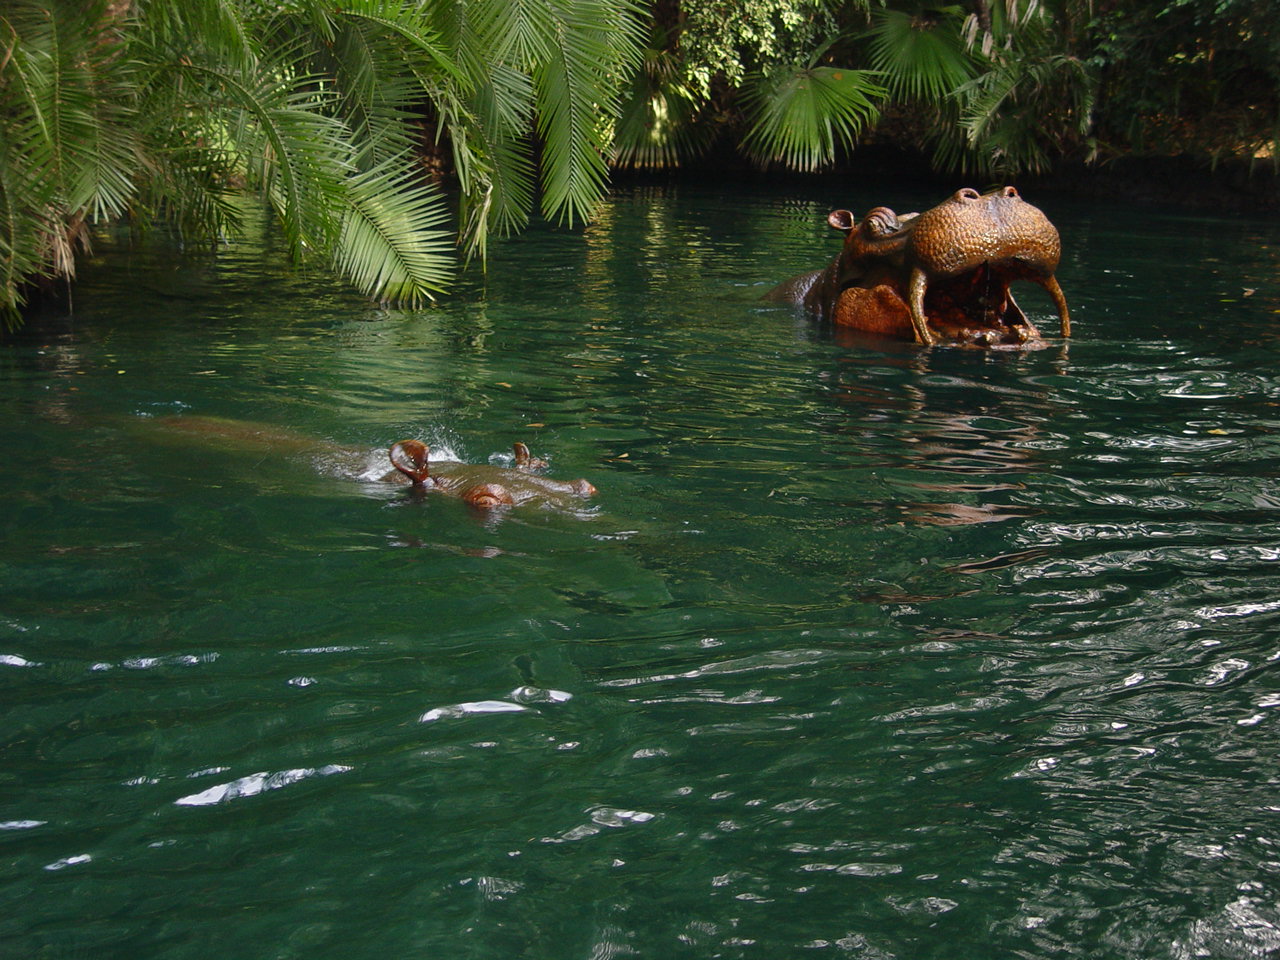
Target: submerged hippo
[
  {"x": 942, "y": 274},
  {"x": 483, "y": 485}
]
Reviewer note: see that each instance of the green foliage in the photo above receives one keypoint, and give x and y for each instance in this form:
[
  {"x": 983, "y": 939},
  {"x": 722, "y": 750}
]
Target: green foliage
[
  {"x": 659, "y": 122},
  {"x": 997, "y": 87},
  {"x": 758, "y": 66},
  {"x": 171, "y": 109},
  {"x": 67, "y": 141},
  {"x": 733, "y": 40},
  {"x": 391, "y": 241},
  {"x": 576, "y": 87},
  {"x": 921, "y": 53},
  {"x": 801, "y": 116},
  {"x": 1019, "y": 116},
  {"x": 1197, "y": 78},
  {"x": 1028, "y": 103}
]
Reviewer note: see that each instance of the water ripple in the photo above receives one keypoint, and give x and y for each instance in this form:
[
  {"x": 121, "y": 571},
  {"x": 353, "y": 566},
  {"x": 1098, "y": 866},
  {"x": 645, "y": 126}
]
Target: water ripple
[{"x": 256, "y": 783}]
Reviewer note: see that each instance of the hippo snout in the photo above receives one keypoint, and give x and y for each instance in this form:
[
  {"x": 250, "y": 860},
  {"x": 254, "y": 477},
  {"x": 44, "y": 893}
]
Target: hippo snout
[{"x": 971, "y": 229}]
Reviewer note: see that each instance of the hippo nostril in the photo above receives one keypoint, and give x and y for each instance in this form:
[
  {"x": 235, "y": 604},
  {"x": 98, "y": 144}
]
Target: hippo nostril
[
  {"x": 968, "y": 193},
  {"x": 1010, "y": 192}
]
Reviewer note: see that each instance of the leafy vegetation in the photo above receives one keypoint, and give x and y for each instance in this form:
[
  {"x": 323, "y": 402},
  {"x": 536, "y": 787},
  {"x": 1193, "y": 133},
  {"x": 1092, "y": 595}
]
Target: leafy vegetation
[
  {"x": 172, "y": 110},
  {"x": 995, "y": 87}
]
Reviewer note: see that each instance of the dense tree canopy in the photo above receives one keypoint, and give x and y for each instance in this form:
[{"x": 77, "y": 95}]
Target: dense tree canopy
[{"x": 173, "y": 110}]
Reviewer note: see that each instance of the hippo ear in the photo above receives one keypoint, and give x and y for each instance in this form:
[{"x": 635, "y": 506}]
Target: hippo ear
[
  {"x": 841, "y": 220},
  {"x": 410, "y": 457}
]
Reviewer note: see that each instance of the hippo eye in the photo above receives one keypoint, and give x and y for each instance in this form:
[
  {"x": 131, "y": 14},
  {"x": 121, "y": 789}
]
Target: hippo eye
[
  {"x": 881, "y": 221},
  {"x": 1010, "y": 192}
]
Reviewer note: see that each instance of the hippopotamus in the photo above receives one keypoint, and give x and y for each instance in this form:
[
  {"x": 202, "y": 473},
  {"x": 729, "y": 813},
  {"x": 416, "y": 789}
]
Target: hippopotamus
[
  {"x": 482, "y": 485},
  {"x": 943, "y": 274}
]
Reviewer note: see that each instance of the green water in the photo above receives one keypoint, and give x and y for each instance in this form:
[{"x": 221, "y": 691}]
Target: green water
[{"x": 861, "y": 650}]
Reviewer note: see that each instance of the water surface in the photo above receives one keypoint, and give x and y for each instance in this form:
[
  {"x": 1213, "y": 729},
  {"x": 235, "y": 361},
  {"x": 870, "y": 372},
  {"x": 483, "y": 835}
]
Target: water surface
[{"x": 861, "y": 650}]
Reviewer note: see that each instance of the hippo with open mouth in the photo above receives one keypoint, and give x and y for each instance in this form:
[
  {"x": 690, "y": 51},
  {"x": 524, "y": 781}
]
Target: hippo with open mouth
[{"x": 943, "y": 274}]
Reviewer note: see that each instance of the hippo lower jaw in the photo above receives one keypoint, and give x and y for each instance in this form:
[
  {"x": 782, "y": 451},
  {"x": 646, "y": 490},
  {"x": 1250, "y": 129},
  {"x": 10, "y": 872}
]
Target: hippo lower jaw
[{"x": 976, "y": 307}]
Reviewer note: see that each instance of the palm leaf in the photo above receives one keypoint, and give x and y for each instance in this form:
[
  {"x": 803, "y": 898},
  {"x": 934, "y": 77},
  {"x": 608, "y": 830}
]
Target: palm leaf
[
  {"x": 174, "y": 108},
  {"x": 657, "y": 125},
  {"x": 502, "y": 114},
  {"x": 800, "y": 117},
  {"x": 513, "y": 31},
  {"x": 77, "y": 91},
  {"x": 24, "y": 198},
  {"x": 409, "y": 25},
  {"x": 576, "y": 89},
  {"x": 922, "y": 57},
  {"x": 377, "y": 58},
  {"x": 392, "y": 245},
  {"x": 295, "y": 154},
  {"x": 215, "y": 30},
  {"x": 1006, "y": 122},
  {"x": 70, "y": 151}
]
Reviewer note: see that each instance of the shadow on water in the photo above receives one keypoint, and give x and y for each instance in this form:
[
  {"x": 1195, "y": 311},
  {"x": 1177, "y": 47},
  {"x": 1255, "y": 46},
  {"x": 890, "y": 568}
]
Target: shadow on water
[{"x": 861, "y": 649}]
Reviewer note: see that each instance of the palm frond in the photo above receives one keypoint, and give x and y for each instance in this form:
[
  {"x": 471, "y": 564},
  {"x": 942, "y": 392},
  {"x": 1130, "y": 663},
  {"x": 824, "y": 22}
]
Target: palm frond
[
  {"x": 502, "y": 115},
  {"x": 512, "y": 31},
  {"x": 1006, "y": 125},
  {"x": 213, "y": 30},
  {"x": 188, "y": 187},
  {"x": 24, "y": 203},
  {"x": 393, "y": 245},
  {"x": 576, "y": 89},
  {"x": 76, "y": 92},
  {"x": 176, "y": 108},
  {"x": 296, "y": 155},
  {"x": 657, "y": 125},
  {"x": 800, "y": 117},
  {"x": 377, "y": 58},
  {"x": 409, "y": 25},
  {"x": 67, "y": 124},
  {"x": 922, "y": 57}
]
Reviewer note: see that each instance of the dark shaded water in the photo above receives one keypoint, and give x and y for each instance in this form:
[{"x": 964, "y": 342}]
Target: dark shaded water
[{"x": 862, "y": 650}]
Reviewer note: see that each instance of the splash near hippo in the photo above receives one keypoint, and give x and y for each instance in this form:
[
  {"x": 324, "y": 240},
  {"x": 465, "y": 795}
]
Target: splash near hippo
[{"x": 941, "y": 275}]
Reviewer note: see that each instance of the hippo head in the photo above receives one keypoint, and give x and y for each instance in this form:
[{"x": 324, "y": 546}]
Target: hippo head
[
  {"x": 874, "y": 247},
  {"x": 981, "y": 240},
  {"x": 944, "y": 273}
]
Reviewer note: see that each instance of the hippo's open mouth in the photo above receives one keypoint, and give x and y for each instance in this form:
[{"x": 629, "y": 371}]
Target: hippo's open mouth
[
  {"x": 976, "y": 307},
  {"x": 963, "y": 254}
]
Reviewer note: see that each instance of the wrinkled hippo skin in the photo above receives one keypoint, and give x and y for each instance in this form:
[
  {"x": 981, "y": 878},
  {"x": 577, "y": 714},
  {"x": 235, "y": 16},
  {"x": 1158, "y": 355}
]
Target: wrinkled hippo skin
[{"x": 941, "y": 275}]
